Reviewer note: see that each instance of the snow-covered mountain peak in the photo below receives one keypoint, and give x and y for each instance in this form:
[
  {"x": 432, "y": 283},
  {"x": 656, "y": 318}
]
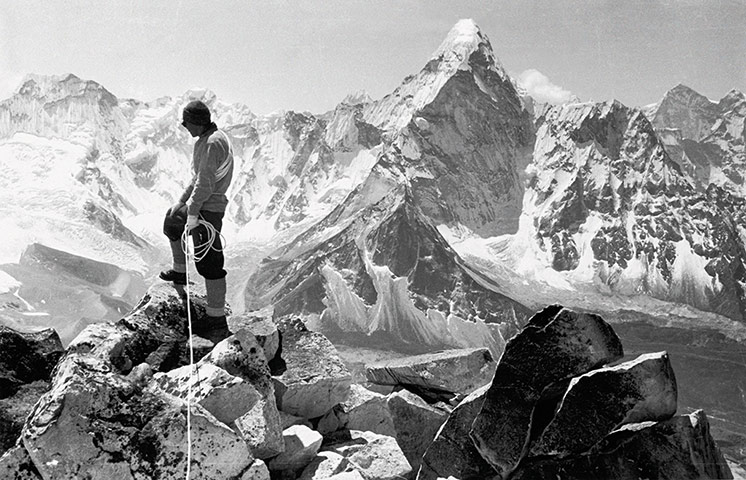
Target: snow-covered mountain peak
[
  {"x": 689, "y": 110},
  {"x": 465, "y": 51},
  {"x": 203, "y": 94},
  {"x": 357, "y": 98},
  {"x": 732, "y": 99},
  {"x": 464, "y": 39},
  {"x": 52, "y": 88}
]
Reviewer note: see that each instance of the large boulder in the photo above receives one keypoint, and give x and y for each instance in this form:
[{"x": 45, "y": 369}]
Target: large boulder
[
  {"x": 220, "y": 393},
  {"x": 450, "y": 372},
  {"x": 315, "y": 378},
  {"x": 261, "y": 429},
  {"x": 680, "y": 448},
  {"x": 415, "y": 422},
  {"x": 264, "y": 330},
  {"x": 452, "y": 452},
  {"x": 600, "y": 401},
  {"x": 217, "y": 452},
  {"x": 96, "y": 422},
  {"x": 241, "y": 355},
  {"x": 363, "y": 410},
  {"x": 556, "y": 344},
  {"x": 104, "y": 416}
]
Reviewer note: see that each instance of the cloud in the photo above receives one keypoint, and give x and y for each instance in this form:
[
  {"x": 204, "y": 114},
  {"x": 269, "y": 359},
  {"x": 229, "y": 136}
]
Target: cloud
[{"x": 541, "y": 89}]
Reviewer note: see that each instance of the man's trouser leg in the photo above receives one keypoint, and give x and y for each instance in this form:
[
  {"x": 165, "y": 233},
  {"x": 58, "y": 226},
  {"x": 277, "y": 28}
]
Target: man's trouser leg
[
  {"x": 173, "y": 227},
  {"x": 211, "y": 265}
]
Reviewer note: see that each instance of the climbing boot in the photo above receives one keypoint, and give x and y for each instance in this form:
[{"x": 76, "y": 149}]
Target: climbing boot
[{"x": 178, "y": 278}]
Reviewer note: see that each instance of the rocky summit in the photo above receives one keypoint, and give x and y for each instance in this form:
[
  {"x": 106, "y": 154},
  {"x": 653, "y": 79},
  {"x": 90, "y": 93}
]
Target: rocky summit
[
  {"x": 416, "y": 234},
  {"x": 124, "y": 402}
]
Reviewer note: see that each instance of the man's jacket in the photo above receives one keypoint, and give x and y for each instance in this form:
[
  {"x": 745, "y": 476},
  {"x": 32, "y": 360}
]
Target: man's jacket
[{"x": 212, "y": 164}]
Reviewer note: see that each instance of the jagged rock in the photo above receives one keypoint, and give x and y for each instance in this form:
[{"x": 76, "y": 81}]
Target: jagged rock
[
  {"x": 557, "y": 343},
  {"x": 301, "y": 446},
  {"x": 260, "y": 427},
  {"x": 316, "y": 379},
  {"x": 448, "y": 372},
  {"x": 368, "y": 411},
  {"x": 103, "y": 417},
  {"x": 375, "y": 456},
  {"x": 220, "y": 393},
  {"x": 217, "y": 451},
  {"x": 452, "y": 452},
  {"x": 325, "y": 465},
  {"x": 415, "y": 424},
  {"x": 16, "y": 464},
  {"x": 680, "y": 448},
  {"x": 264, "y": 330},
  {"x": 363, "y": 410},
  {"x": 598, "y": 402},
  {"x": 96, "y": 422},
  {"x": 242, "y": 356},
  {"x": 141, "y": 374},
  {"x": 26, "y": 357}
]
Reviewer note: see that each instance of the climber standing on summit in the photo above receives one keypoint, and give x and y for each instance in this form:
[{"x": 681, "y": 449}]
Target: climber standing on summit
[{"x": 203, "y": 199}]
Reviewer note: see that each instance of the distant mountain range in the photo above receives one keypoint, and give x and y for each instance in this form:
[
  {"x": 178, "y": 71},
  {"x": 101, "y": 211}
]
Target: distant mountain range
[{"x": 375, "y": 217}]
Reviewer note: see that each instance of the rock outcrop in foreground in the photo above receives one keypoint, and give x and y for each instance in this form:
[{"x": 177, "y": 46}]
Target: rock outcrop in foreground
[
  {"x": 276, "y": 401},
  {"x": 553, "y": 410}
]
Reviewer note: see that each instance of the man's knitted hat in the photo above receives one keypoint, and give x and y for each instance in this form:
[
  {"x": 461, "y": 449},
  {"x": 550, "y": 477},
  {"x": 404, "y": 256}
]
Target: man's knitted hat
[{"x": 197, "y": 113}]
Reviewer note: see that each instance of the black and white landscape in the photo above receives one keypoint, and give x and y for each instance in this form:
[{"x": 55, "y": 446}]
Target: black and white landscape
[{"x": 441, "y": 216}]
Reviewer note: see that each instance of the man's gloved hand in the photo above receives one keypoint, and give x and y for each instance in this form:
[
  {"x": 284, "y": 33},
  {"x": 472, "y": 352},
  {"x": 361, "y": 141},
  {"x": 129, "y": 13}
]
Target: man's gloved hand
[
  {"x": 175, "y": 208},
  {"x": 192, "y": 222}
]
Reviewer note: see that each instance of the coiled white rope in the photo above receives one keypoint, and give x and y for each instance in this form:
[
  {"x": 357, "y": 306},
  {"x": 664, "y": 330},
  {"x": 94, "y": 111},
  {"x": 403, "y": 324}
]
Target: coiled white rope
[{"x": 196, "y": 253}]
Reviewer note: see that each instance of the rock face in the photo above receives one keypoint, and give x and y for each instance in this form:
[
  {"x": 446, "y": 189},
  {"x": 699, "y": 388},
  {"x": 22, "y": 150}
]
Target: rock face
[
  {"x": 556, "y": 344},
  {"x": 452, "y": 452},
  {"x": 606, "y": 201},
  {"x": 461, "y": 122},
  {"x": 553, "y": 411},
  {"x": 704, "y": 137},
  {"x": 16, "y": 464},
  {"x": 678, "y": 448},
  {"x": 416, "y": 424},
  {"x": 600, "y": 401},
  {"x": 449, "y": 373}
]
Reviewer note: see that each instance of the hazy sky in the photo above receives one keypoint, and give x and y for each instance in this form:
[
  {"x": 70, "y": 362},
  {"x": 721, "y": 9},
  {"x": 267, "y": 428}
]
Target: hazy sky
[{"x": 309, "y": 54}]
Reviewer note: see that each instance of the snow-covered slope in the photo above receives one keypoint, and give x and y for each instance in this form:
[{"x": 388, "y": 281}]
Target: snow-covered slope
[
  {"x": 377, "y": 266},
  {"x": 606, "y": 204}
]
